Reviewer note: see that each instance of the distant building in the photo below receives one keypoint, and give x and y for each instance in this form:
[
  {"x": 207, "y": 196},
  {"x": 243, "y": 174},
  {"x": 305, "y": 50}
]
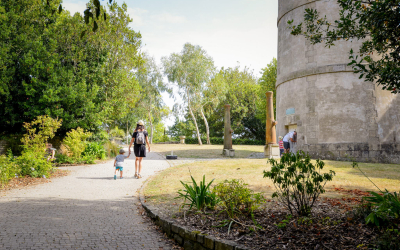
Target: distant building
[{"x": 337, "y": 115}]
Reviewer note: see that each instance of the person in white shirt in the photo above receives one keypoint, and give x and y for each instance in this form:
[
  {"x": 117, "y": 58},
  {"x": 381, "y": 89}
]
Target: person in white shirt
[{"x": 287, "y": 139}]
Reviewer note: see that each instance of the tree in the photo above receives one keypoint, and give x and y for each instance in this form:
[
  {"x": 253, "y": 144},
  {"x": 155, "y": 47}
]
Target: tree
[
  {"x": 373, "y": 21},
  {"x": 267, "y": 82},
  {"x": 190, "y": 69},
  {"x": 150, "y": 79},
  {"x": 48, "y": 69},
  {"x": 242, "y": 94}
]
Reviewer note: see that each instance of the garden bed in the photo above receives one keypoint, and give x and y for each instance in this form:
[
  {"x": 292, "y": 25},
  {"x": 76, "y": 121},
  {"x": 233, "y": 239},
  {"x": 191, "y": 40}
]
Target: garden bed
[{"x": 331, "y": 226}]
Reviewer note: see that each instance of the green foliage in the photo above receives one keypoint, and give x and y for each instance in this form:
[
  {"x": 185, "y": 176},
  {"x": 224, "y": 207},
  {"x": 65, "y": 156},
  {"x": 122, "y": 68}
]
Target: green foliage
[
  {"x": 198, "y": 196},
  {"x": 220, "y": 141},
  {"x": 236, "y": 198},
  {"x": 284, "y": 222},
  {"x": 13, "y": 143},
  {"x": 48, "y": 69},
  {"x": 95, "y": 150},
  {"x": 112, "y": 149},
  {"x": 100, "y": 137},
  {"x": 75, "y": 141},
  {"x": 298, "y": 182},
  {"x": 8, "y": 168},
  {"x": 373, "y": 21},
  {"x": 38, "y": 132},
  {"x": 267, "y": 82},
  {"x": 385, "y": 208},
  {"x": 117, "y": 132},
  {"x": 34, "y": 164},
  {"x": 389, "y": 240}
]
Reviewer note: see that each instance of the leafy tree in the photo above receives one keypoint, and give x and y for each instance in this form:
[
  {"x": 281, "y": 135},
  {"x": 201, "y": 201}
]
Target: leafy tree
[
  {"x": 242, "y": 94},
  {"x": 190, "y": 69},
  {"x": 267, "y": 82},
  {"x": 373, "y": 21},
  {"x": 48, "y": 69},
  {"x": 151, "y": 82},
  {"x": 181, "y": 128}
]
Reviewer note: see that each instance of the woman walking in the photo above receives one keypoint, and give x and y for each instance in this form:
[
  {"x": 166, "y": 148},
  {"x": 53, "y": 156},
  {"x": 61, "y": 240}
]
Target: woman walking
[{"x": 139, "y": 140}]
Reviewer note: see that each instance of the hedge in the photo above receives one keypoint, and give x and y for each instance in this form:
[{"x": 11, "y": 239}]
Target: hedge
[{"x": 220, "y": 141}]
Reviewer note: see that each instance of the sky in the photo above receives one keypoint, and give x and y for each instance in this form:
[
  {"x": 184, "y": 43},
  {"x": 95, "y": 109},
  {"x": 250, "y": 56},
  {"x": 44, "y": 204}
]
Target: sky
[{"x": 233, "y": 32}]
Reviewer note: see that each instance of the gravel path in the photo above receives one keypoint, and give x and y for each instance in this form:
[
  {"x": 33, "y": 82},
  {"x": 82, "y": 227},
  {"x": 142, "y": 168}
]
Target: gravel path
[{"x": 87, "y": 209}]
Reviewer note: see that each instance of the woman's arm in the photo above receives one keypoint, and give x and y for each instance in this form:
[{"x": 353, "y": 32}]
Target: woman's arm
[{"x": 130, "y": 145}]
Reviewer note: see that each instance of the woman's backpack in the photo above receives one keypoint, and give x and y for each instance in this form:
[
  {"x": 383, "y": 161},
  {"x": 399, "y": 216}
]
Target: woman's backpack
[{"x": 140, "y": 138}]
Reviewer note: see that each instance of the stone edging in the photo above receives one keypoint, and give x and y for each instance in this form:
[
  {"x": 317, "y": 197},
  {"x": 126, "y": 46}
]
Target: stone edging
[{"x": 182, "y": 236}]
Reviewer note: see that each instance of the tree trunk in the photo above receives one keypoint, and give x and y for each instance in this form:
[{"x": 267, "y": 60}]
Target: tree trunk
[
  {"x": 195, "y": 123},
  {"x": 206, "y": 123}
]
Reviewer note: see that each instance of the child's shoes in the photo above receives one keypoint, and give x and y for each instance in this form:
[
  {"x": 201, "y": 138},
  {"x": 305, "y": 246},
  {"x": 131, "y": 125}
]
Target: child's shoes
[{"x": 115, "y": 177}]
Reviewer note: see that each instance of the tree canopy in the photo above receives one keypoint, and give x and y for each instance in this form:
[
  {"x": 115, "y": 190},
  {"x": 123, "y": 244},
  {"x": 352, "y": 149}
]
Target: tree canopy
[{"x": 376, "y": 22}]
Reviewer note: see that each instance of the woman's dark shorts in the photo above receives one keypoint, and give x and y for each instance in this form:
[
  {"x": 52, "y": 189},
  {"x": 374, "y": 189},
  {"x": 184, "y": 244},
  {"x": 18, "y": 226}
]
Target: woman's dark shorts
[
  {"x": 140, "y": 150},
  {"x": 286, "y": 144}
]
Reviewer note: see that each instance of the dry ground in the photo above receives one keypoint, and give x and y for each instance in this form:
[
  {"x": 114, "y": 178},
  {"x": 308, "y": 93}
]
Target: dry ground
[{"x": 204, "y": 151}]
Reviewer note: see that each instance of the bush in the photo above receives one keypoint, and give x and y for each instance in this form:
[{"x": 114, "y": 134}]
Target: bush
[
  {"x": 101, "y": 137},
  {"x": 385, "y": 208},
  {"x": 75, "y": 141},
  {"x": 8, "y": 168},
  {"x": 389, "y": 240},
  {"x": 236, "y": 198},
  {"x": 34, "y": 164},
  {"x": 198, "y": 196},
  {"x": 95, "y": 150},
  {"x": 13, "y": 143},
  {"x": 112, "y": 149},
  {"x": 220, "y": 141},
  {"x": 298, "y": 182}
]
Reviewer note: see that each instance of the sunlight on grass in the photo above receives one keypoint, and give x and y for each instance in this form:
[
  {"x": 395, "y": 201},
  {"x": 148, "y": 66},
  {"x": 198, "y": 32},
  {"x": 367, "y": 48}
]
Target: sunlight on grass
[
  {"x": 162, "y": 188},
  {"x": 204, "y": 151}
]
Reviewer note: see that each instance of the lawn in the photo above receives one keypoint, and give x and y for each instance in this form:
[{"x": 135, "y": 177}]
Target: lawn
[
  {"x": 162, "y": 188},
  {"x": 204, "y": 151}
]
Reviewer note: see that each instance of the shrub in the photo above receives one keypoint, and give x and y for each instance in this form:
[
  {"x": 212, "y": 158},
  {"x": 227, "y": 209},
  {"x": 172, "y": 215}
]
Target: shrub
[
  {"x": 112, "y": 149},
  {"x": 75, "y": 141},
  {"x": 34, "y": 164},
  {"x": 95, "y": 150},
  {"x": 389, "y": 240},
  {"x": 298, "y": 182},
  {"x": 38, "y": 132},
  {"x": 101, "y": 137},
  {"x": 198, "y": 196},
  {"x": 385, "y": 208},
  {"x": 236, "y": 198},
  {"x": 8, "y": 168}
]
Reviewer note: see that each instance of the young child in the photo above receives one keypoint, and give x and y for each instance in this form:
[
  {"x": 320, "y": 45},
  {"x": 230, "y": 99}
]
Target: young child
[
  {"x": 119, "y": 162},
  {"x": 281, "y": 148}
]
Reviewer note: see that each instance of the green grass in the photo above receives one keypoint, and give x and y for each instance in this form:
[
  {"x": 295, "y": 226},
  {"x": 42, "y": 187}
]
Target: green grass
[{"x": 204, "y": 151}]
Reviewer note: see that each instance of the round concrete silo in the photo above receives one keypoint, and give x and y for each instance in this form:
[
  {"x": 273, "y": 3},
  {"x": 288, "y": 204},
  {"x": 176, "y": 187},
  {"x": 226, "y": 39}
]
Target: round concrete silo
[{"x": 336, "y": 114}]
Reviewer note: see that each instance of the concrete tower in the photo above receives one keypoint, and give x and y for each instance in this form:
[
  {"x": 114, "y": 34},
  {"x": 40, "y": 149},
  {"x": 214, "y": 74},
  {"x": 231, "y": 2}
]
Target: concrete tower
[{"x": 337, "y": 116}]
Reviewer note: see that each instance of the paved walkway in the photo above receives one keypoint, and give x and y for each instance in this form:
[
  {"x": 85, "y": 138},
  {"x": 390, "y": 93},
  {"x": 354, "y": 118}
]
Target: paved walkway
[{"x": 87, "y": 209}]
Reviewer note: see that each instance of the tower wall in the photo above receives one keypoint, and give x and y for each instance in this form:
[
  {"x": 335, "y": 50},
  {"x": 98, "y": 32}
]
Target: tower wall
[{"x": 338, "y": 115}]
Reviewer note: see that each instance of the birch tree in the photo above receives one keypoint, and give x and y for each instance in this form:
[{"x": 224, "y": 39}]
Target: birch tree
[{"x": 190, "y": 70}]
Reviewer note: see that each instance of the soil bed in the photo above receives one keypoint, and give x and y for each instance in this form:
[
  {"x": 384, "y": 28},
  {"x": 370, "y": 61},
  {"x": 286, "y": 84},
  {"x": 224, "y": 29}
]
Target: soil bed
[{"x": 331, "y": 226}]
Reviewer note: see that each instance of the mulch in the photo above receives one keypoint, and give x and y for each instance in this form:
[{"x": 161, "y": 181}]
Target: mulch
[
  {"x": 331, "y": 226},
  {"x": 27, "y": 181}
]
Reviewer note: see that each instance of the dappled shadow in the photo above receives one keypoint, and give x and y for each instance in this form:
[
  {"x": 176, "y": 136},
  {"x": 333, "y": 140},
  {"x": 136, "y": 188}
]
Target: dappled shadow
[{"x": 72, "y": 223}]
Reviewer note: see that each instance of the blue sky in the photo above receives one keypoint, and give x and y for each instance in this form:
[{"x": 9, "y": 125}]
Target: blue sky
[{"x": 231, "y": 31}]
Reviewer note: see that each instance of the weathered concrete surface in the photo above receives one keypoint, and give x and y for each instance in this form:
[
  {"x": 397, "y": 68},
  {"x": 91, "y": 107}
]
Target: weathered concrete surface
[
  {"x": 338, "y": 116},
  {"x": 86, "y": 210}
]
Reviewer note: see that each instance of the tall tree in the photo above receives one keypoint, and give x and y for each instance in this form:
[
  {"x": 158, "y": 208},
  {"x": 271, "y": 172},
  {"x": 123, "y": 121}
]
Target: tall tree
[
  {"x": 48, "y": 69},
  {"x": 190, "y": 69},
  {"x": 374, "y": 21},
  {"x": 151, "y": 82},
  {"x": 267, "y": 82}
]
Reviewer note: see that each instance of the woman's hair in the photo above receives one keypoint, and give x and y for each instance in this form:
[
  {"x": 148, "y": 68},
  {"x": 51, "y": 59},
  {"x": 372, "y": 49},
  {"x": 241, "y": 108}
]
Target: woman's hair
[{"x": 139, "y": 127}]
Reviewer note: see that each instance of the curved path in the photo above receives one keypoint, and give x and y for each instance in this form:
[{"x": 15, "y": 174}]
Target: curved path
[{"x": 87, "y": 209}]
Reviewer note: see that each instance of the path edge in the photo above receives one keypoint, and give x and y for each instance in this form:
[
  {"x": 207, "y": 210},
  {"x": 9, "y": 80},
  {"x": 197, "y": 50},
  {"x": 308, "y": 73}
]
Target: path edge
[{"x": 181, "y": 235}]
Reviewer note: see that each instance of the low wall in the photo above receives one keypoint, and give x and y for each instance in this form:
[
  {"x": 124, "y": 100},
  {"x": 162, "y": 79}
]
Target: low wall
[
  {"x": 360, "y": 152},
  {"x": 184, "y": 237}
]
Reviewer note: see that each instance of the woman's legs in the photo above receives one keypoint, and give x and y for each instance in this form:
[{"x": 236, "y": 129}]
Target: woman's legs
[
  {"x": 140, "y": 164},
  {"x": 136, "y": 165}
]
